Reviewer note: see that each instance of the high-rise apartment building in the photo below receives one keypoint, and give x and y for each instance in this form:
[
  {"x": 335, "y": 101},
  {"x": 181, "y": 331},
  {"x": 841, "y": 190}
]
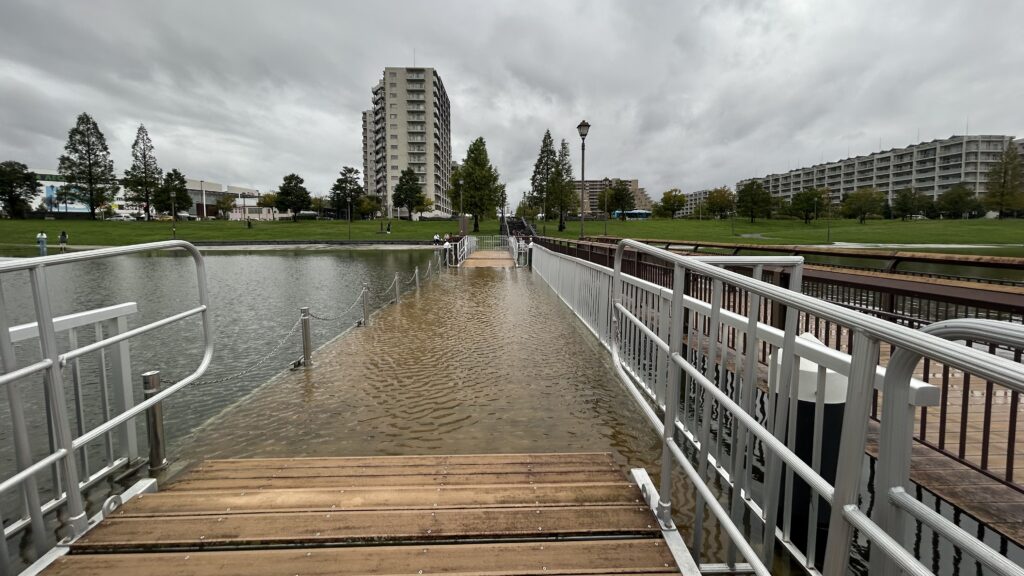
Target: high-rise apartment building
[
  {"x": 409, "y": 126},
  {"x": 929, "y": 167},
  {"x": 369, "y": 175},
  {"x": 592, "y": 190}
]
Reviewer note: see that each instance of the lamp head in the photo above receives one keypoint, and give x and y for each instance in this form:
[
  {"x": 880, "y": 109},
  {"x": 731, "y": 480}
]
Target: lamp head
[{"x": 583, "y": 128}]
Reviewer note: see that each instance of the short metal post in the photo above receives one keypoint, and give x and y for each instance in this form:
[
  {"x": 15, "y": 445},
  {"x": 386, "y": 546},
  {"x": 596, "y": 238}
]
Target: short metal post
[
  {"x": 366, "y": 305},
  {"x": 416, "y": 275},
  {"x": 154, "y": 423},
  {"x": 307, "y": 339},
  {"x": 398, "y": 286}
]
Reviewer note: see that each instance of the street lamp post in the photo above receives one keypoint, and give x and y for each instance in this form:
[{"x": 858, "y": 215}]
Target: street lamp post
[
  {"x": 174, "y": 216},
  {"x": 350, "y": 216},
  {"x": 583, "y": 128}
]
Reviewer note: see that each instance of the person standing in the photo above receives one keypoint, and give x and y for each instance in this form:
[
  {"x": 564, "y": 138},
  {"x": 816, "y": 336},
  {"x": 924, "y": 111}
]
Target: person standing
[
  {"x": 63, "y": 239},
  {"x": 41, "y": 241}
]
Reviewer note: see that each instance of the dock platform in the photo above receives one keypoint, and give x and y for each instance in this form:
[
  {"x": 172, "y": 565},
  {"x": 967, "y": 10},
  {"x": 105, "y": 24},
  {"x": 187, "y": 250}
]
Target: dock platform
[
  {"x": 489, "y": 259},
  {"x": 509, "y": 514}
]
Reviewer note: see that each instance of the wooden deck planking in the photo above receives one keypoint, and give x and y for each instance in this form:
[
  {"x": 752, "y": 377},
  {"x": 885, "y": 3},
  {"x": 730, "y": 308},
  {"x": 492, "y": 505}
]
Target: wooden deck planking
[
  {"x": 503, "y": 514},
  {"x": 399, "y": 498},
  {"x": 489, "y": 259},
  {"x": 625, "y": 556},
  {"x": 991, "y": 502}
]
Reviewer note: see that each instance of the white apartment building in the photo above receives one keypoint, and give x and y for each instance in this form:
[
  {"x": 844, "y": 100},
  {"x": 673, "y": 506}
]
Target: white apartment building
[
  {"x": 409, "y": 126},
  {"x": 592, "y": 190},
  {"x": 693, "y": 201},
  {"x": 929, "y": 167}
]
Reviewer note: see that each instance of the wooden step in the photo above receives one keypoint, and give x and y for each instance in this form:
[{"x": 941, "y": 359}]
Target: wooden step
[
  {"x": 365, "y": 527},
  {"x": 465, "y": 459},
  {"x": 214, "y": 473},
  {"x": 345, "y": 480},
  {"x": 625, "y": 556},
  {"x": 373, "y": 498}
]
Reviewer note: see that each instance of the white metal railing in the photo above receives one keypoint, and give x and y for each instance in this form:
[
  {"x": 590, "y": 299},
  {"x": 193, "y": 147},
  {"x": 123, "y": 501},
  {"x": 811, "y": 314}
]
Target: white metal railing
[
  {"x": 456, "y": 254},
  {"x": 117, "y": 431},
  {"x": 693, "y": 366}
]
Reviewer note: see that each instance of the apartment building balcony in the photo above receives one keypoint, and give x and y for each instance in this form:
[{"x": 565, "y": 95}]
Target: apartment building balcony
[
  {"x": 414, "y": 127},
  {"x": 414, "y": 76},
  {"x": 415, "y": 97},
  {"x": 417, "y": 138}
]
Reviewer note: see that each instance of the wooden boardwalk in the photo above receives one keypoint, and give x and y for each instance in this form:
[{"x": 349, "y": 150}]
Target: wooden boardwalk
[{"x": 508, "y": 514}]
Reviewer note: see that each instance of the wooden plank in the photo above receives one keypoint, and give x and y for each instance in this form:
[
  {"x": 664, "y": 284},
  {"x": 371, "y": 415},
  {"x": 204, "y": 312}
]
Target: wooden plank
[
  {"x": 483, "y": 459},
  {"x": 209, "y": 473},
  {"x": 201, "y": 532},
  {"x": 582, "y": 557},
  {"x": 299, "y": 500},
  {"x": 364, "y": 480}
]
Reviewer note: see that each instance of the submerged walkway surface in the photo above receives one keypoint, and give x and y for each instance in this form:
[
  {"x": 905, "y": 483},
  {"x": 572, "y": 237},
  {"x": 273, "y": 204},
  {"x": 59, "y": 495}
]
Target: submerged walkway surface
[{"x": 383, "y": 515}]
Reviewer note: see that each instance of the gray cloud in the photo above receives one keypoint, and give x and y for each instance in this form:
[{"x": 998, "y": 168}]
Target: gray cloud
[{"x": 686, "y": 95}]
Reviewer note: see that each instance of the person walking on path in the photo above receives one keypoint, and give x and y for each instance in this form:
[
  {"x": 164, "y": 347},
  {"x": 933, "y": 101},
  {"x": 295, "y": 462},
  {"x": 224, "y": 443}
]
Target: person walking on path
[
  {"x": 41, "y": 241},
  {"x": 63, "y": 239}
]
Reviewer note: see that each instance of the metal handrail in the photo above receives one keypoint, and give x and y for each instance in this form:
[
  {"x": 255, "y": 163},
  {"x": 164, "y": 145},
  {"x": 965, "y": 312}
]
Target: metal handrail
[
  {"x": 53, "y": 364},
  {"x": 584, "y": 286},
  {"x": 868, "y": 332}
]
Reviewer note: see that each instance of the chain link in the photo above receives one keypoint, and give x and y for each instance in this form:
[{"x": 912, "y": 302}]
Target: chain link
[
  {"x": 387, "y": 291},
  {"x": 258, "y": 362},
  {"x": 343, "y": 314}
]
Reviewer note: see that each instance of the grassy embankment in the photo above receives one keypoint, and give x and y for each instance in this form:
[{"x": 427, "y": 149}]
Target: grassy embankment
[
  {"x": 1007, "y": 234},
  {"x": 93, "y": 233}
]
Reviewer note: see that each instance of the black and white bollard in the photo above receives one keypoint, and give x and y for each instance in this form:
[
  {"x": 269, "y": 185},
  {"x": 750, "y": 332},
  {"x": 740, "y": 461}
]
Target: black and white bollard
[{"x": 813, "y": 382}]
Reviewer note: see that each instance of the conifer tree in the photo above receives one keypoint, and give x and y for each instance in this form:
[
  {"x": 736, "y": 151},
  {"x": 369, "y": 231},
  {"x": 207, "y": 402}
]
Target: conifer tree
[
  {"x": 1004, "y": 191},
  {"x": 86, "y": 165},
  {"x": 142, "y": 180}
]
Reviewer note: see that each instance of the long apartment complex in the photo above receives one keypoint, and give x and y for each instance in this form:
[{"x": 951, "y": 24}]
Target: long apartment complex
[
  {"x": 929, "y": 167},
  {"x": 409, "y": 126},
  {"x": 592, "y": 190}
]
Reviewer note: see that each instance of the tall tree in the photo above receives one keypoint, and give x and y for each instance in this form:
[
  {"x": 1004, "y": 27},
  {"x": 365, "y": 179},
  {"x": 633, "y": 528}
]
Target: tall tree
[
  {"x": 672, "y": 201},
  {"x": 907, "y": 202},
  {"x": 408, "y": 192},
  {"x": 752, "y": 200},
  {"x": 225, "y": 204},
  {"x": 561, "y": 188},
  {"x": 720, "y": 202},
  {"x": 86, "y": 165},
  {"x": 542, "y": 169},
  {"x": 958, "y": 201},
  {"x": 346, "y": 191},
  {"x": 808, "y": 203},
  {"x": 617, "y": 198},
  {"x": 17, "y": 188},
  {"x": 292, "y": 195},
  {"x": 143, "y": 178},
  {"x": 173, "y": 188},
  {"x": 859, "y": 203},
  {"x": 1004, "y": 191},
  {"x": 476, "y": 184}
]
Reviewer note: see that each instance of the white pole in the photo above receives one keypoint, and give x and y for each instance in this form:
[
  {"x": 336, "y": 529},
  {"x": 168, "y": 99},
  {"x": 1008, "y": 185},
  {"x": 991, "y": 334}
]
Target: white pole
[{"x": 202, "y": 189}]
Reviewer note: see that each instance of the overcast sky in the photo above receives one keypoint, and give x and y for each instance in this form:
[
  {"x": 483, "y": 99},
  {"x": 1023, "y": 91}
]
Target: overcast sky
[{"x": 683, "y": 95}]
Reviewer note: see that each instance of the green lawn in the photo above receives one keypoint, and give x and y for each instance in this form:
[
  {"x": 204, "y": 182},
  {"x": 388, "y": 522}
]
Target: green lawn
[
  {"x": 1002, "y": 232},
  {"x": 1008, "y": 234},
  {"x": 93, "y": 233}
]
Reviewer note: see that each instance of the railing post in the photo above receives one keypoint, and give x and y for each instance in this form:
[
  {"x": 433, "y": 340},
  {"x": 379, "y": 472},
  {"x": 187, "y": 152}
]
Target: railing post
[
  {"x": 366, "y": 305},
  {"x": 121, "y": 385},
  {"x": 398, "y": 286},
  {"x": 307, "y": 339},
  {"x": 154, "y": 423},
  {"x": 416, "y": 275},
  {"x": 77, "y": 520}
]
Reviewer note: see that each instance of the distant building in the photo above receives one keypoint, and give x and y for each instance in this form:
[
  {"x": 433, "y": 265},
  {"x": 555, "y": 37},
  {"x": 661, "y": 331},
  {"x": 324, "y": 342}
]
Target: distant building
[
  {"x": 411, "y": 128},
  {"x": 247, "y": 208},
  {"x": 51, "y": 183},
  {"x": 693, "y": 202},
  {"x": 594, "y": 188},
  {"x": 930, "y": 168}
]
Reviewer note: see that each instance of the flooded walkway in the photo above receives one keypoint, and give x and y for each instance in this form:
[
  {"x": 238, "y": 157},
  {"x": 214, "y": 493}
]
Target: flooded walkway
[{"x": 482, "y": 360}]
